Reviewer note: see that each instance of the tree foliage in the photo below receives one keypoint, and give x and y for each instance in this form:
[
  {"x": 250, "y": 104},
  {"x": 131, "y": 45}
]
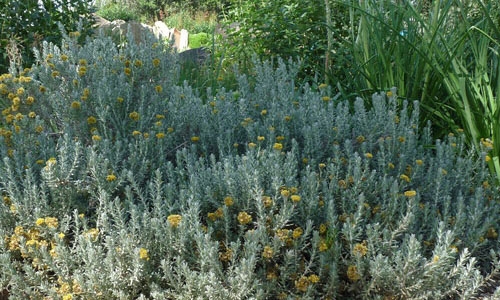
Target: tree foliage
[{"x": 25, "y": 24}]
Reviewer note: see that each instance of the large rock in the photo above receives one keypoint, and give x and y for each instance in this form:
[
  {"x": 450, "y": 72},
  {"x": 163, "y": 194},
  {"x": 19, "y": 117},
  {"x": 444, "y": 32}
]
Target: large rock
[
  {"x": 161, "y": 31},
  {"x": 120, "y": 28}
]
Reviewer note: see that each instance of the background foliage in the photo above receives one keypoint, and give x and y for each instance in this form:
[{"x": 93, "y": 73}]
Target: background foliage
[{"x": 25, "y": 24}]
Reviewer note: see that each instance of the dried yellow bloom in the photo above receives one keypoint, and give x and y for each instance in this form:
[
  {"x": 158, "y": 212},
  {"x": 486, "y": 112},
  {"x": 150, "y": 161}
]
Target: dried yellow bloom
[
  {"x": 492, "y": 233},
  {"x": 302, "y": 283},
  {"x": 352, "y": 273},
  {"x": 111, "y": 177},
  {"x": 267, "y": 201}
]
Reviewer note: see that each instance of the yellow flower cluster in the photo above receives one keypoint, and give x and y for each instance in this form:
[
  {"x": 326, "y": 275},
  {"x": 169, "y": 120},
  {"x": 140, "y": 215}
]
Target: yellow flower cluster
[
  {"x": 218, "y": 214},
  {"x": 303, "y": 282}
]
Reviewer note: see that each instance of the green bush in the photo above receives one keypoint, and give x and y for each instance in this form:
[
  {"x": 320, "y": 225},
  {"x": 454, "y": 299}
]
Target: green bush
[
  {"x": 114, "y": 11},
  {"x": 117, "y": 183},
  {"x": 198, "y": 40},
  {"x": 25, "y": 24},
  {"x": 284, "y": 28}
]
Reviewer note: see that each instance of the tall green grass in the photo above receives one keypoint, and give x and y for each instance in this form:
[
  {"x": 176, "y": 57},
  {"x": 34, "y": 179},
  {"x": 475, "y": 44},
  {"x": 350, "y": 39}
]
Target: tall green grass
[{"x": 444, "y": 54}]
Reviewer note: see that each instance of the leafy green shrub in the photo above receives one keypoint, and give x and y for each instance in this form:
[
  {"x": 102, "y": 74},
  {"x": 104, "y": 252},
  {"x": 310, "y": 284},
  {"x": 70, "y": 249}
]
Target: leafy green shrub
[
  {"x": 268, "y": 191},
  {"x": 114, "y": 11},
  {"x": 198, "y": 40},
  {"x": 284, "y": 28},
  {"x": 28, "y": 23}
]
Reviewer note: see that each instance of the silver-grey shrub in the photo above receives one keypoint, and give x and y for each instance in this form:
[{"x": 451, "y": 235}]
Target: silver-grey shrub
[{"x": 271, "y": 191}]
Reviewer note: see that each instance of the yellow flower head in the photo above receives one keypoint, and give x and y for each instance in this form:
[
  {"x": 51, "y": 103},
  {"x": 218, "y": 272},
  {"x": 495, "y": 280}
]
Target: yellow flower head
[
  {"x": 244, "y": 218},
  {"x": 404, "y": 178},
  {"x": 158, "y": 89},
  {"x": 360, "y": 249},
  {"x": 267, "y": 252},
  {"x": 295, "y": 198},
  {"x": 195, "y": 139},
  {"x": 111, "y": 177},
  {"x": 91, "y": 120},
  {"x": 143, "y": 254},
  {"x": 410, "y": 193},
  {"x": 134, "y": 116},
  {"x": 313, "y": 278},
  {"x": 174, "y": 220},
  {"x": 228, "y": 201},
  {"x": 82, "y": 70},
  {"x": 278, "y": 146},
  {"x": 322, "y": 246},
  {"x": 267, "y": 201},
  {"x": 297, "y": 233}
]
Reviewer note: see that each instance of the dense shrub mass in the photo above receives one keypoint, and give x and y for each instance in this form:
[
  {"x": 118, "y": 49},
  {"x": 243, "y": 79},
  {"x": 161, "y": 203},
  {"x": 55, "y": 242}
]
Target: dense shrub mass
[{"x": 118, "y": 183}]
